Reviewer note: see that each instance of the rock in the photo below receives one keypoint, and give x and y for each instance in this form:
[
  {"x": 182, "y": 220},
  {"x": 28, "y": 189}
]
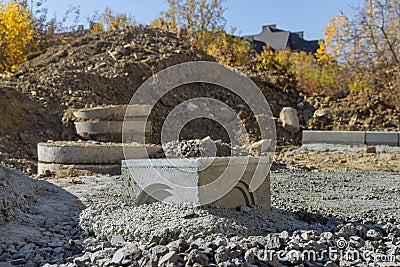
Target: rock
[
  {"x": 260, "y": 147},
  {"x": 58, "y": 250},
  {"x": 347, "y": 230},
  {"x": 158, "y": 251},
  {"x": 207, "y": 147},
  {"x": 323, "y": 112},
  {"x": 170, "y": 258},
  {"x": 18, "y": 261},
  {"x": 249, "y": 256},
  {"x": 221, "y": 241},
  {"x": 198, "y": 243},
  {"x": 289, "y": 119},
  {"x": 116, "y": 240},
  {"x": 330, "y": 264},
  {"x": 99, "y": 255},
  {"x": 191, "y": 214},
  {"x": 370, "y": 150},
  {"x": 327, "y": 236},
  {"x": 81, "y": 261},
  {"x": 2, "y": 173},
  {"x": 179, "y": 245},
  {"x": 305, "y": 236},
  {"x": 220, "y": 257},
  {"x": 272, "y": 241},
  {"x": 196, "y": 256},
  {"x": 119, "y": 255},
  {"x": 374, "y": 235}
]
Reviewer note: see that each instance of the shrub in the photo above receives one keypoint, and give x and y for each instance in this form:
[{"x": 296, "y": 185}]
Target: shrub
[{"x": 16, "y": 33}]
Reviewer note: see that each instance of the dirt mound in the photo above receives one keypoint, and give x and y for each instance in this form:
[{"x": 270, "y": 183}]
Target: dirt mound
[
  {"x": 17, "y": 193},
  {"x": 371, "y": 112},
  {"x": 105, "y": 69},
  {"x": 93, "y": 70}
]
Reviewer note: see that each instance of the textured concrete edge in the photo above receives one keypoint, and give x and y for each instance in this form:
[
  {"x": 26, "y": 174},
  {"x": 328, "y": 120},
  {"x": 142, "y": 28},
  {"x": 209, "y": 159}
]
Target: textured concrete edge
[
  {"x": 352, "y": 137},
  {"x": 111, "y": 169},
  {"x": 91, "y": 153},
  {"x": 136, "y": 193},
  {"x": 194, "y": 162}
]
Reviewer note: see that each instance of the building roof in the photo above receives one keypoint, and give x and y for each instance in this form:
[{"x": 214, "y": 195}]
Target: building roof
[{"x": 279, "y": 39}]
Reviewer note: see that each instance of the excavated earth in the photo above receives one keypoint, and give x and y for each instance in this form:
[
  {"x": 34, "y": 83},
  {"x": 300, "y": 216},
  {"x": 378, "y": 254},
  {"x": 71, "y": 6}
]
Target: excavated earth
[
  {"x": 37, "y": 101},
  {"x": 322, "y": 198}
]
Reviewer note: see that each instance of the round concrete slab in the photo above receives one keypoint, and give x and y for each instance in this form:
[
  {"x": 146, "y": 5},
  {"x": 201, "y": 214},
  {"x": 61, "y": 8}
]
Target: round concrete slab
[
  {"x": 114, "y": 112},
  {"x": 90, "y": 152},
  {"x": 103, "y": 127}
]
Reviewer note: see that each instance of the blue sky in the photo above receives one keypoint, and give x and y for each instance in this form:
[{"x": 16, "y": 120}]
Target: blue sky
[{"x": 310, "y": 16}]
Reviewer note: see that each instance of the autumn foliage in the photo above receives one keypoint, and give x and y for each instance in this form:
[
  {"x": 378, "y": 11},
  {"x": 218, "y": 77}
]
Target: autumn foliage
[
  {"x": 16, "y": 33},
  {"x": 358, "y": 54},
  {"x": 201, "y": 23},
  {"x": 367, "y": 46}
]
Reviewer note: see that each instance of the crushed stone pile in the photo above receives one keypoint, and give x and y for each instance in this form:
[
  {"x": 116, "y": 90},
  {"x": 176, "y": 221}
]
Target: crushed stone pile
[
  {"x": 205, "y": 147},
  {"x": 17, "y": 194},
  {"x": 166, "y": 220},
  {"x": 162, "y": 234}
]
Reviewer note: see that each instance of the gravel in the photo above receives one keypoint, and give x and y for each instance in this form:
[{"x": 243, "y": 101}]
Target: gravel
[
  {"x": 110, "y": 233},
  {"x": 205, "y": 147},
  {"x": 332, "y": 148},
  {"x": 309, "y": 219},
  {"x": 351, "y": 195},
  {"x": 181, "y": 221},
  {"x": 342, "y": 245}
]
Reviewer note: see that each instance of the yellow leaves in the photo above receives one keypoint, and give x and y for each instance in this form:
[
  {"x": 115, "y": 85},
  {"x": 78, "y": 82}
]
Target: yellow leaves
[
  {"x": 111, "y": 21},
  {"x": 359, "y": 84},
  {"x": 201, "y": 23},
  {"x": 335, "y": 32},
  {"x": 228, "y": 49},
  {"x": 270, "y": 61},
  {"x": 96, "y": 27},
  {"x": 322, "y": 57},
  {"x": 16, "y": 33},
  {"x": 311, "y": 76}
]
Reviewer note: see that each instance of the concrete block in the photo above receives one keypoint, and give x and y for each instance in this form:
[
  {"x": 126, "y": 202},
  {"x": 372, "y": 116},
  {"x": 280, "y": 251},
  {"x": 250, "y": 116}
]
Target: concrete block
[
  {"x": 112, "y": 169},
  {"x": 90, "y": 152},
  {"x": 334, "y": 137},
  {"x": 114, "y": 112},
  {"x": 197, "y": 180},
  {"x": 103, "y": 127},
  {"x": 289, "y": 119},
  {"x": 382, "y": 138}
]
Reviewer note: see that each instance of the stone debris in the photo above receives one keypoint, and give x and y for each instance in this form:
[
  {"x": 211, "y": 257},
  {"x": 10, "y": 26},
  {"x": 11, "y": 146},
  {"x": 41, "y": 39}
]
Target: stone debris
[
  {"x": 114, "y": 234},
  {"x": 205, "y": 147},
  {"x": 289, "y": 120},
  {"x": 370, "y": 150},
  {"x": 207, "y": 250}
]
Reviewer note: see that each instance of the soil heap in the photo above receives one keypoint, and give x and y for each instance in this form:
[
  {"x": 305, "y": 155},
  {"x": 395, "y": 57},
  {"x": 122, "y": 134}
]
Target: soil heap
[{"x": 37, "y": 101}]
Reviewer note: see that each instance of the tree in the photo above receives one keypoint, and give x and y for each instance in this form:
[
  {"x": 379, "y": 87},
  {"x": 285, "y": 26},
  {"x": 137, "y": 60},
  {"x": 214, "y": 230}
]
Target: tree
[
  {"x": 110, "y": 21},
  {"x": 368, "y": 45},
  {"x": 201, "y": 23},
  {"x": 49, "y": 31},
  {"x": 196, "y": 18},
  {"x": 16, "y": 33}
]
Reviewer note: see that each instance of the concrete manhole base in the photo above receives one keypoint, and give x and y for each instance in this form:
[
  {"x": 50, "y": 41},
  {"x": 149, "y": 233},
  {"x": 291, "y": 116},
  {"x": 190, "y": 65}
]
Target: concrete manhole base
[
  {"x": 92, "y": 156},
  {"x": 192, "y": 181}
]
